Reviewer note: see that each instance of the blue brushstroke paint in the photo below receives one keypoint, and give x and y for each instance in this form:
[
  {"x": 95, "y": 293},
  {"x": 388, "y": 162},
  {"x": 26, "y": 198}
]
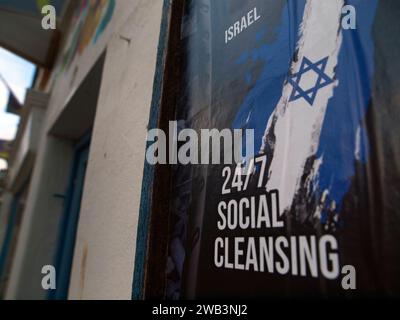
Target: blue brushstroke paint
[
  {"x": 106, "y": 20},
  {"x": 347, "y": 108}
]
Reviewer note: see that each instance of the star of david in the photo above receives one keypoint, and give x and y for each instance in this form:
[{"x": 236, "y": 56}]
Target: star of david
[{"x": 323, "y": 80}]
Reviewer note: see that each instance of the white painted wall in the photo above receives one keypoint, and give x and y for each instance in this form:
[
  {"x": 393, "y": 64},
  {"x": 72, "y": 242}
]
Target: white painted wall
[
  {"x": 103, "y": 263},
  {"x": 105, "y": 249}
]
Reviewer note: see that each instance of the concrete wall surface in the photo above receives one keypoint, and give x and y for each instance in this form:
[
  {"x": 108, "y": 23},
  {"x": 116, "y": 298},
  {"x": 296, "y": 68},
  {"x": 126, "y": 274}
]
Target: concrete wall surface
[
  {"x": 105, "y": 247},
  {"x": 104, "y": 256}
]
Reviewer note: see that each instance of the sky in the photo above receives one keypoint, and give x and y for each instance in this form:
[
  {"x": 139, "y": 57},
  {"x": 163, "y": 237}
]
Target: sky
[{"x": 19, "y": 75}]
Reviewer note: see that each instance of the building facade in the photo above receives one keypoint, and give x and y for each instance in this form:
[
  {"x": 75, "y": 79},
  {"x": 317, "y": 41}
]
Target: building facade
[{"x": 74, "y": 183}]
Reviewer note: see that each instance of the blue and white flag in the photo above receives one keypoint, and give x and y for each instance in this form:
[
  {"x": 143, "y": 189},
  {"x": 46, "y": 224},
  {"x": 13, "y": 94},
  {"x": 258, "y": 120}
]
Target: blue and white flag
[{"x": 318, "y": 123}]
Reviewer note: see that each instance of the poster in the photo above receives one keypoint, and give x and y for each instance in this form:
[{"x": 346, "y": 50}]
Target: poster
[{"x": 319, "y": 215}]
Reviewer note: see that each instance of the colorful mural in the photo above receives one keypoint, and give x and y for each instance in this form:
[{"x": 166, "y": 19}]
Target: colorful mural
[{"x": 90, "y": 20}]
